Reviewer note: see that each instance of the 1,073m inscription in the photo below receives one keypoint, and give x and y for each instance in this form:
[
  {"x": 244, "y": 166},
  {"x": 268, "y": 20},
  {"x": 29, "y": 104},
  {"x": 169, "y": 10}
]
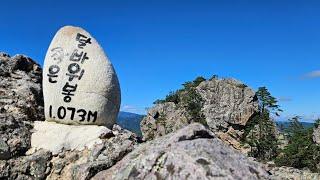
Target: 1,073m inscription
[{"x": 73, "y": 113}]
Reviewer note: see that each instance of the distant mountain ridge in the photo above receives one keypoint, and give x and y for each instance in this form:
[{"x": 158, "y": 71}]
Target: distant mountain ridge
[
  {"x": 285, "y": 124},
  {"x": 130, "y": 121}
]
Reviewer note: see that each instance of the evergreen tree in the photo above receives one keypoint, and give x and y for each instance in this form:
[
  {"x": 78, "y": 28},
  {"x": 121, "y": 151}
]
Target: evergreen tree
[
  {"x": 188, "y": 88},
  {"x": 267, "y": 103},
  {"x": 295, "y": 127},
  {"x": 301, "y": 151},
  {"x": 264, "y": 145}
]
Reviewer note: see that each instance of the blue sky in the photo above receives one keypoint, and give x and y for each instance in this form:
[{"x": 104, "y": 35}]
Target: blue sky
[{"x": 155, "y": 46}]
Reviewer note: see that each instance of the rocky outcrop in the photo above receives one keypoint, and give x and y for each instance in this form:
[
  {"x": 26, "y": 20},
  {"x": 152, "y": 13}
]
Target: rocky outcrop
[
  {"x": 163, "y": 119},
  {"x": 227, "y": 106},
  {"x": 71, "y": 164},
  {"x": 21, "y": 103},
  {"x": 192, "y": 152}
]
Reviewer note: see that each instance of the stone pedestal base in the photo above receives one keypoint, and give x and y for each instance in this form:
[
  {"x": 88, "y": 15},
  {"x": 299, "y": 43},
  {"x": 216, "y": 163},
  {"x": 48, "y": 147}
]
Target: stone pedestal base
[{"x": 57, "y": 137}]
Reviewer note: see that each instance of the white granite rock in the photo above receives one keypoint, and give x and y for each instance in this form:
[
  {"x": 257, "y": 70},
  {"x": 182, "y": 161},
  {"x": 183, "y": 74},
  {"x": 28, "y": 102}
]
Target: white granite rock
[
  {"x": 80, "y": 85},
  {"x": 57, "y": 137}
]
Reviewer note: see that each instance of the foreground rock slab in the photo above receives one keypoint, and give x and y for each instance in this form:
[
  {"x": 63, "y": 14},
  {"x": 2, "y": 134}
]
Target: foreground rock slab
[
  {"x": 56, "y": 137},
  {"x": 192, "y": 152},
  {"x": 80, "y": 165},
  {"x": 80, "y": 85}
]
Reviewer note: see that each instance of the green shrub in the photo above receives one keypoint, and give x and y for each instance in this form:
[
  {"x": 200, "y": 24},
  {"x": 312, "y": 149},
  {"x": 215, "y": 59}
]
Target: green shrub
[
  {"x": 188, "y": 98},
  {"x": 193, "y": 103}
]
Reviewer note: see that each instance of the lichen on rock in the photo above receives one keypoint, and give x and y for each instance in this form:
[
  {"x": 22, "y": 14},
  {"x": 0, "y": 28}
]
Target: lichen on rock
[{"x": 192, "y": 152}]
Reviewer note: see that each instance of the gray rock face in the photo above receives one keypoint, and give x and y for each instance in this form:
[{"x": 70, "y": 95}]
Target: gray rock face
[
  {"x": 192, "y": 152},
  {"x": 227, "y": 106},
  {"x": 163, "y": 119},
  {"x": 80, "y": 85},
  {"x": 20, "y": 88},
  {"x": 21, "y": 103},
  {"x": 227, "y": 102}
]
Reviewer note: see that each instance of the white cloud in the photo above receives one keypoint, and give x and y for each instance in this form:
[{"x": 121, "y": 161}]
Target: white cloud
[
  {"x": 133, "y": 109},
  {"x": 284, "y": 99},
  {"x": 312, "y": 75}
]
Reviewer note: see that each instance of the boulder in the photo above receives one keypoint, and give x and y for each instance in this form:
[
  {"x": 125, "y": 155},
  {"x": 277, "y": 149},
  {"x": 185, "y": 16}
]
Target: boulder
[
  {"x": 80, "y": 85},
  {"x": 192, "y": 152},
  {"x": 227, "y": 102}
]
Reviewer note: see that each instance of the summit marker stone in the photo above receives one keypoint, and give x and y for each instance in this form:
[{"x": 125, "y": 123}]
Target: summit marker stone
[{"x": 80, "y": 85}]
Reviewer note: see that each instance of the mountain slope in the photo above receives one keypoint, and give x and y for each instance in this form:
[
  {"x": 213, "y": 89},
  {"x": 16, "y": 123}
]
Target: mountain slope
[{"x": 130, "y": 121}]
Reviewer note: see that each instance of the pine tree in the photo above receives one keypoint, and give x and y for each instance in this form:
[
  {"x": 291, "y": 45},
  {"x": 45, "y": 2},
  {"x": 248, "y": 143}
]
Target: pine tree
[
  {"x": 301, "y": 151},
  {"x": 264, "y": 145},
  {"x": 267, "y": 103}
]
